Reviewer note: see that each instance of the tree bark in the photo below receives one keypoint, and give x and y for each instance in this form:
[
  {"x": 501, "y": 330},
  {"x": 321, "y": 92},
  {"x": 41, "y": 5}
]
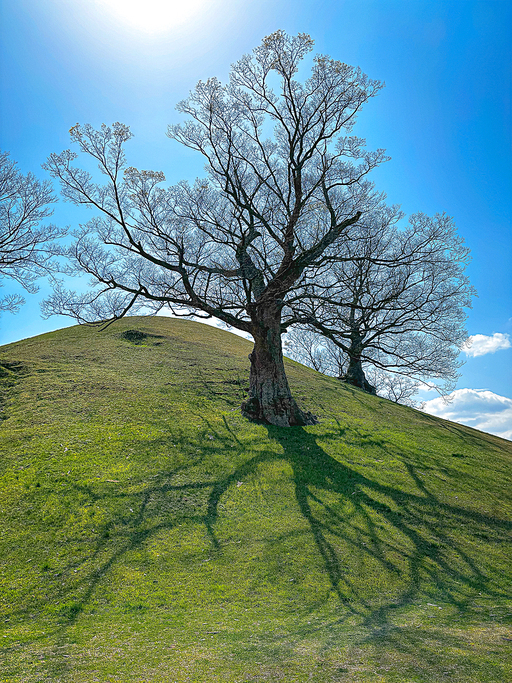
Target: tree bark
[
  {"x": 355, "y": 374},
  {"x": 270, "y": 399}
]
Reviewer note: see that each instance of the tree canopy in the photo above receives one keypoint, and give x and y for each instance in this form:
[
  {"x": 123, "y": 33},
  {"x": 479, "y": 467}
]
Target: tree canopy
[
  {"x": 285, "y": 203},
  {"x": 26, "y": 248}
]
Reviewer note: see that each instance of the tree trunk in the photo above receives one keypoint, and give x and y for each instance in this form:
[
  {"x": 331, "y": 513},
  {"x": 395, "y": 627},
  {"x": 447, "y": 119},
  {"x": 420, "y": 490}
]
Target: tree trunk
[
  {"x": 355, "y": 374},
  {"x": 270, "y": 399}
]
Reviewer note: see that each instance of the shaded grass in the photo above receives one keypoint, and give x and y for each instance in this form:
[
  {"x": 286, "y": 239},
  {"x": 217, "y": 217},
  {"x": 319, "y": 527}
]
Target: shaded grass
[{"x": 152, "y": 534}]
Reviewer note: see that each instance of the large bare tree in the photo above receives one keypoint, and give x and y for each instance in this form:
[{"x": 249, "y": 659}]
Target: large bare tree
[
  {"x": 285, "y": 187},
  {"x": 26, "y": 247}
]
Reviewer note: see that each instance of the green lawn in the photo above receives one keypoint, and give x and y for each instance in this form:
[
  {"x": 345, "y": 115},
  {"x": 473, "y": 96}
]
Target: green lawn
[{"x": 151, "y": 534}]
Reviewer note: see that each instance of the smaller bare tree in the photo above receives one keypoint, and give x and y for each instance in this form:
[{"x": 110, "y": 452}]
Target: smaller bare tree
[
  {"x": 395, "y": 387},
  {"x": 398, "y": 307},
  {"x": 316, "y": 351},
  {"x": 319, "y": 353},
  {"x": 26, "y": 248}
]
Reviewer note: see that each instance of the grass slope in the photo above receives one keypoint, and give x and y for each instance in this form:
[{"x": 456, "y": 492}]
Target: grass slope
[{"x": 149, "y": 533}]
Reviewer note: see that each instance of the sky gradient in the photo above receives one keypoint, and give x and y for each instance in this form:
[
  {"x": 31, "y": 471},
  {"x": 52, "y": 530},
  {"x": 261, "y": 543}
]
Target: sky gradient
[{"x": 444, "y": 116}]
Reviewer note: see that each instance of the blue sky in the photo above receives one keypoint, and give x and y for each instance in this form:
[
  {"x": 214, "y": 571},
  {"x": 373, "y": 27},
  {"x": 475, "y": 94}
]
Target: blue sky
[{"x": 444, "y": 116}]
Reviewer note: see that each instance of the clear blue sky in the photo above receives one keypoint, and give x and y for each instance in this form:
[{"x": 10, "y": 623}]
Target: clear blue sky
[{"x": 444, "y": 116}]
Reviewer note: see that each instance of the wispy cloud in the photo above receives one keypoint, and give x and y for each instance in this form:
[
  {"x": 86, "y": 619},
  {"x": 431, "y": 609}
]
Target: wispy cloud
[
  {"x": 480, "y": 344},
  {"x": 478, "y": 408}
]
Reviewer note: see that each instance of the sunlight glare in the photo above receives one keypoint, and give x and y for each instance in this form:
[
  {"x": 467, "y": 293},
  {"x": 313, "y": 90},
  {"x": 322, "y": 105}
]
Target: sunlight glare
[{"x": 153, "y": 16}]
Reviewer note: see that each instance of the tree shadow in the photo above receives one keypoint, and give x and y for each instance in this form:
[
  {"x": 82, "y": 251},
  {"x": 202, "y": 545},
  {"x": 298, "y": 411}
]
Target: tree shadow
[
  {"x": 410, "y": 535},
  {"x": 407, "y": 537},
  {"x": 414, "y": 539},
  {"x": 421, "y": 519}
]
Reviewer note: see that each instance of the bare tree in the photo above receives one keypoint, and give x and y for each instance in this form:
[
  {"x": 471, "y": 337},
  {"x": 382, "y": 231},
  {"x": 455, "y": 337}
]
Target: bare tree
[
  {"x": 318, "y": 352},
  {"x": 397, "y": 306},
  {"x": 247, "y": 242},
  {"x": 395, "y": 387},
  {"x": 26, "y": 249}
]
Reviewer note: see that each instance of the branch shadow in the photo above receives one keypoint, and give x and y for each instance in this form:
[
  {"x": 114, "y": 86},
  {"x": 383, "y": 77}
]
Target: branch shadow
[
  {"x": 405, "y": 536},
  {"x": 413, "y": 537}
]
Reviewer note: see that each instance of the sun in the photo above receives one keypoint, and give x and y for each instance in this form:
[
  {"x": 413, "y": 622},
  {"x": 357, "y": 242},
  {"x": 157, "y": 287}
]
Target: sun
[{"x": 153, "y": 16}]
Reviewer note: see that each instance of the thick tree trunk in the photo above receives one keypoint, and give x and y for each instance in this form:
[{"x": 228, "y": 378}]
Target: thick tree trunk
[
  {"x": 355, "y": 375},
  {"x": 270, "y": 399}
]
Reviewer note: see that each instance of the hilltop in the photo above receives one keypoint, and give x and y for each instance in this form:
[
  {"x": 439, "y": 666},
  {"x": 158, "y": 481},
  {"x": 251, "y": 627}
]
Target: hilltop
[{"x": 151, "y": 534}]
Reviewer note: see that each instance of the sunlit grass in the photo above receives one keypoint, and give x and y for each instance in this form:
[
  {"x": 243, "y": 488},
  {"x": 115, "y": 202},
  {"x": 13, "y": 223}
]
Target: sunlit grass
[{"x": 150, "y": 533}]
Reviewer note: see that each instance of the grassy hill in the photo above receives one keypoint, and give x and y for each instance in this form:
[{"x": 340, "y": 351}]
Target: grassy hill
[{"x": 151, "y": 534}]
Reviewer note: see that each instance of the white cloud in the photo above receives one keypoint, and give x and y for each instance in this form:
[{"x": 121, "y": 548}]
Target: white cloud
[
  {"x": 480, "y": 344},
  {"x": 478, "y": 408}
]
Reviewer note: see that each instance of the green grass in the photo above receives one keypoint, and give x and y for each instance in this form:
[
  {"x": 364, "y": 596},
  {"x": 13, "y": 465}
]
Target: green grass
[{"x": 151, "y": 534}]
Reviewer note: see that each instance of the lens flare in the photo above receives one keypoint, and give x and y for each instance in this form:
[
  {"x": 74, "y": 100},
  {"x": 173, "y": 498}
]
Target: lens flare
[{"x": 153, "y": 16}]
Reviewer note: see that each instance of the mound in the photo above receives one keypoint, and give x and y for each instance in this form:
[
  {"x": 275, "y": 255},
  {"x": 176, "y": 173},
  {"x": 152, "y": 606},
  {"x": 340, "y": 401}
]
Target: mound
[{"x": 150, "y": 533}]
